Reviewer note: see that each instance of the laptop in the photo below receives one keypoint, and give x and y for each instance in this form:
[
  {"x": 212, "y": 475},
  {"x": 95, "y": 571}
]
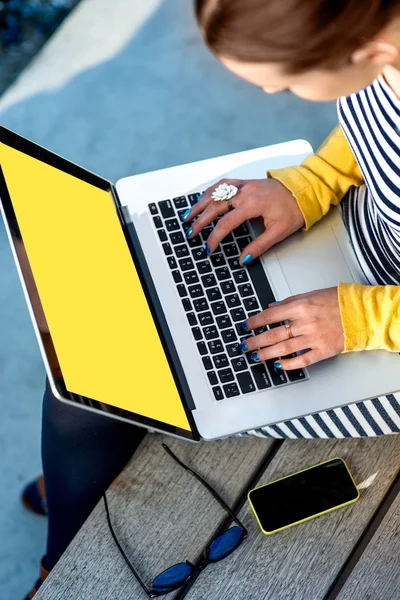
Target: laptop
[{"x": 138, "y": 323}]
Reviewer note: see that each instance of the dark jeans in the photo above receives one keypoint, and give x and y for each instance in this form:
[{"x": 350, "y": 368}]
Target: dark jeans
[{"x": 82, "y": 452}]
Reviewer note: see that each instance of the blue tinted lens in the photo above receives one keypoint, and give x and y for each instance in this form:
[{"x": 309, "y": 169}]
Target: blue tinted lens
[
  {"x": 172, "y": 577},
  {"x": 225, "y": 543}
]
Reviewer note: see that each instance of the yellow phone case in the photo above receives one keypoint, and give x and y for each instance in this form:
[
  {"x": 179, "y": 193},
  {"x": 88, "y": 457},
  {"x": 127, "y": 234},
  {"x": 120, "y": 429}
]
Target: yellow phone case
[{"x": 313, "y": 516}]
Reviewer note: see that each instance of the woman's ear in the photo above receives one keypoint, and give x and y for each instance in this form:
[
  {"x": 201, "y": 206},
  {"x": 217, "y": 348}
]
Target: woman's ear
[{"x": 377, "y": 53}]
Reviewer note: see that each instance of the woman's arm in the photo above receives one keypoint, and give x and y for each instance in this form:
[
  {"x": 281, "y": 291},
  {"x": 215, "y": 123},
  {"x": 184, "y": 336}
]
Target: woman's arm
[
  {"x": 323, "y": 178},
  {"x": 370, "y": 316}
]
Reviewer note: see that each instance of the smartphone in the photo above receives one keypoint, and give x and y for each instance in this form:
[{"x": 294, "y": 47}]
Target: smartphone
[{"x": 304, "y": 495}]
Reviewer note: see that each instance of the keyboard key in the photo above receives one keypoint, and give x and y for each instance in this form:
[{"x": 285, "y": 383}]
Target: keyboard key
[
  {"x": 275, "y": 325},
  {"x": 232, "y": 301},
  {"x": 199, "y": 253},
  {"x": 254, "y": 313},
  {"x": 181, "y": 251},
  {"x": 241, "y": 276},
  {"x": 218, "y": 308},
  {"x": 191, "y": 277},
  {"x": 196, "y": 291},
  {"x": 210, "y": 332},
  {"x": 251, "y": 303},
  {"x": 153, "y": 209},
  {"x": 193, "y": 198},
  {"x": 241, "y": 230},
  {"x": 218, "y": 394},
  {"x": 228, "y": 287},
  {"x": 202, "y": 348},
  {"x": 177, "y": 237},
  {"x": 205, "y": 318},
  {"x": 177, "y": 276},
  {"x": 200, "y": 304},
  {"x": 261, "y": 377},
  {"x": 213, "y": 294},
  {"x": 246, "y": 383},
  {"x": 239, "y": 363},
  {"x": 245, "y": 290},
  {"x": 243, "y": 242},
  {"x": 218, "y": 260},
  {"x": 234, "y": 263},
  {"x": 233, "y": 350},
  {"x": 224, "y": 322},
  {"x": 231, "y": 390},
  {"x": 158, "y": 222},
  {"x": 172, "y": 262},
  {"x": 229, "y": 335},
  {"x": 260, "y": 282},
  {"x": 220, "y": 361},
  {"x": 205, "y": 234},
  {"x": 212, "y": 377},
  {"x": 187, "y": 224},
  {"x": 167, "y": 249},
  {"x": 194, "y": 242},
  {"x": 180, "y": 202},
  {"x": 215, "y": 346},
  {"x": 172, "y": 225},
  {"x": 222, "y": 273},
  {"x": 230, "y": 249},
  {"x": 162, "y": 234},
  {"x": 197, "y": 333},
  {"x": 167, "y": 210},
  {"x": 239, "y": 329},
  {"x": 191, "y": 317},
  {"x": 237, "y": 314},
  {"x": 181, "y": 290},
  {"x": 277, "y": 375},
  {"x": 204, "y": 267},
  {"x": 186, "y": 264},
  {"x": 225, "y": 375},
  {"x": 209, "y": 280},
  {"x": 207, "y": 363},
  {"x": 187, "y": 305}
]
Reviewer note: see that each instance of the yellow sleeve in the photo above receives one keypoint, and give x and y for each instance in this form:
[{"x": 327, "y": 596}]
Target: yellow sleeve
[
  {"x": 323, "y": 178},
  {"x": 370, "y": 316}
]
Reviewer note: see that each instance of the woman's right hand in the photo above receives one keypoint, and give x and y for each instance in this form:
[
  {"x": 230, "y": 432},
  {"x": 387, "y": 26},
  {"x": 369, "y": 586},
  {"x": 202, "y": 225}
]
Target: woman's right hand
[{"x": 266, "y": 198}]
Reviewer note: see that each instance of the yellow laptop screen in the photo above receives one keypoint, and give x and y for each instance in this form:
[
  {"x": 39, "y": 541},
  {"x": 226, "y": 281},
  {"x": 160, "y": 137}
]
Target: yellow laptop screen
[{"x": 102, "y": 329}]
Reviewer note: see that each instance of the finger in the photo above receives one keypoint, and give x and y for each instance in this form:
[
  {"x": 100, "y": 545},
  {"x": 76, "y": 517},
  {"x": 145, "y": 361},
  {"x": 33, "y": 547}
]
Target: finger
[
  {"x": 275, "y": 314},
  {"x": 226, "y": 224},
  {"x": 212, "y": 212},
  {"x": 269, "y": 338},
  {"x": 289, "y": 346},
  {"x": 206, "y": 199},
  {"x": 263, "y": 242},
  {"x": 300, "y": 362}
]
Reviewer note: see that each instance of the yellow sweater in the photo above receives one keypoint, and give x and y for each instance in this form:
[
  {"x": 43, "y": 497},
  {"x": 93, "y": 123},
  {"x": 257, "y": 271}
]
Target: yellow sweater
[{"x": 370, "y": 314}]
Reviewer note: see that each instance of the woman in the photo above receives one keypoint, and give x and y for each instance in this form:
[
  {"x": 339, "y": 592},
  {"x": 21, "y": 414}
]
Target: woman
[{"x": 319, "y": 51}]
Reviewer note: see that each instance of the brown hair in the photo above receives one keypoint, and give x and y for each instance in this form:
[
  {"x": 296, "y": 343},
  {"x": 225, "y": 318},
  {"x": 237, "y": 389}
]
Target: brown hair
[{"x": 300, "y": 34}]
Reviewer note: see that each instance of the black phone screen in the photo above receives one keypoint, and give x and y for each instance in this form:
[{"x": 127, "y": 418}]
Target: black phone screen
[{"x": 302, "y": 495}]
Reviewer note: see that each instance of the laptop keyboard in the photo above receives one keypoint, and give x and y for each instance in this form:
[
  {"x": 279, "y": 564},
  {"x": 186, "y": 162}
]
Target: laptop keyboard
[{"x": 217, "y": 295}]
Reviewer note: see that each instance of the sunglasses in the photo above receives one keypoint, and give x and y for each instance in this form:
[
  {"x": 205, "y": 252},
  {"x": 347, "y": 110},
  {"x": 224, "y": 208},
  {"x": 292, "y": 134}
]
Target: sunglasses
[{"x": 178, "y": 575}]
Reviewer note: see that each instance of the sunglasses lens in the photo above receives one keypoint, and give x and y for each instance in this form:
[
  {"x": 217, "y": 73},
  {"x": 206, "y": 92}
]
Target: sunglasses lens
[
  {"x": 172, "y": 577},
  {"x": 225, "y": 543}
]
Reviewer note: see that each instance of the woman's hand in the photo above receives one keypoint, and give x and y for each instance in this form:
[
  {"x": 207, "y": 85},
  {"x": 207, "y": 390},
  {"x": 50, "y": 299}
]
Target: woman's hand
[
  {"x": 266, "y": 198},
  {"x": 315, "y": 323}
]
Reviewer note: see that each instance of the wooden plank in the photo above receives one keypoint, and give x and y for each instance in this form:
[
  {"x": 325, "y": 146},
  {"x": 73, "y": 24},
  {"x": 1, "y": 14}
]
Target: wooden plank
[
  {"x": 161, "y": 513},
  {"x": 302, "y": 562},
  {"x": 377, "y": 574}
]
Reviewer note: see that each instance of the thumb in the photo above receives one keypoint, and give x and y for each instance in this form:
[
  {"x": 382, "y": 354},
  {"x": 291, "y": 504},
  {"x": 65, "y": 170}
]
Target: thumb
[{"x": 263, "y": 243}]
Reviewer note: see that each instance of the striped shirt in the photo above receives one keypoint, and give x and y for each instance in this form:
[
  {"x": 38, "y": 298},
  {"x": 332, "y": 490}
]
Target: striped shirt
[{"x": 370, "y": 120}]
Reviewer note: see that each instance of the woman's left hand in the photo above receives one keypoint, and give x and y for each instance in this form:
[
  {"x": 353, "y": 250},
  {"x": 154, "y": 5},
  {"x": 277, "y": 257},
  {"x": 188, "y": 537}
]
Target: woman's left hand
[{"x": 315, "y": 323}]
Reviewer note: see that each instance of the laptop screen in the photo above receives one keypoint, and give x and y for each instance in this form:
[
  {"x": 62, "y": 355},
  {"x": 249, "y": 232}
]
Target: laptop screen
[{"x": 92, "y": 301}]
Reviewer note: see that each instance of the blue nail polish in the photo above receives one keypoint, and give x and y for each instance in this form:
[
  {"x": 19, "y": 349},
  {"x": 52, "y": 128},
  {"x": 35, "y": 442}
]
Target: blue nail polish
[
  {"x": 207, "y": 249},
  {"x": 189, "y": 232},
  {"x": 248, "y": 258},
  {"x": 254, "y": 356},
  {"x": 243, "y": 347},
  {"x": 277, "y": 365},
  {"x": 185, "y": 215},
  {"x": 244, "y": 326},
  {"x": 276, "y": 302},
  {"x": 200, "y": 196}
]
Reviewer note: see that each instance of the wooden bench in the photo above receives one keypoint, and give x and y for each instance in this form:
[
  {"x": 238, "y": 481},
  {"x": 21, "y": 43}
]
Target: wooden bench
[{"x": 162, "y": 515}]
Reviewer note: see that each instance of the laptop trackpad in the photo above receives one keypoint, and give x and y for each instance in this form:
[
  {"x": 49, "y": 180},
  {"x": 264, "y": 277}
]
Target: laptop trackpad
[{"x": 312, "y": 260}]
